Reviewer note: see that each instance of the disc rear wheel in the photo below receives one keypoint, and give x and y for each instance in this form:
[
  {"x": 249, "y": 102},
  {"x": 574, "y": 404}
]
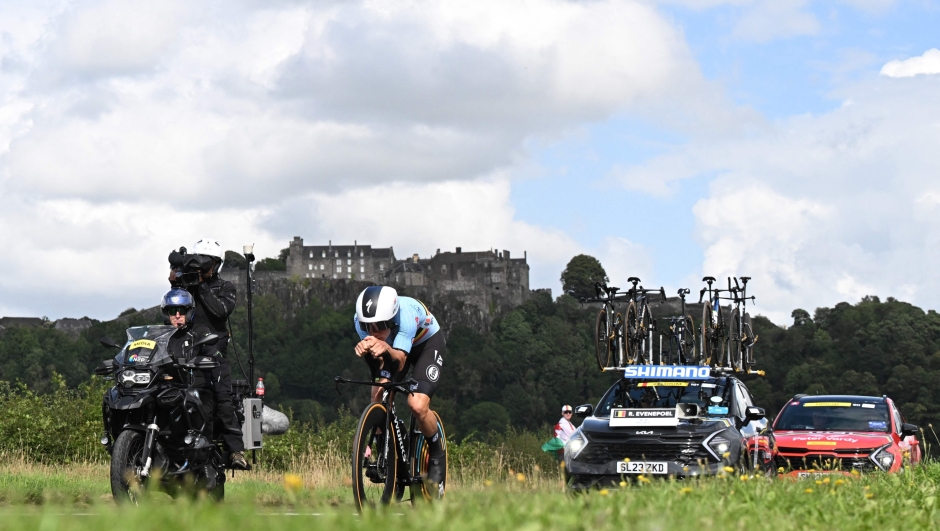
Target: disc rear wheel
[{"x": 419, "y": 465}]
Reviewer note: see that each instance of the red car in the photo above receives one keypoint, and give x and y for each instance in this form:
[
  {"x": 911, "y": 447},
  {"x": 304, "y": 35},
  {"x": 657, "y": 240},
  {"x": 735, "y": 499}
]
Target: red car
[{"x": 842, "y": 434}]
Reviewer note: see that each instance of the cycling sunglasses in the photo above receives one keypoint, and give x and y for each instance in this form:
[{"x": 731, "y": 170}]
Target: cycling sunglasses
[
  {"x": 173, "y": 310},
  {"x": 566, "y": 412},
  {"x": 378, "y": 326}
]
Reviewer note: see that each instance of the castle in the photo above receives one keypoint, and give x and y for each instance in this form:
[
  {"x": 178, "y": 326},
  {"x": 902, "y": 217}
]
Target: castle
[{"x": 484, "y": 279}]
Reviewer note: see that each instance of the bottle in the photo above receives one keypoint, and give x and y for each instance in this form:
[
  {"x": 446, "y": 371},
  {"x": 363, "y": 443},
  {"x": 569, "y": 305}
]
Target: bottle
[{"x": 259, "y": 389}]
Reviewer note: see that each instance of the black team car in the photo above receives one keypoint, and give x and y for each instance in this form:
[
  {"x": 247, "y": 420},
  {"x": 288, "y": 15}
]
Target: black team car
[{"x": 663, "y": 420}]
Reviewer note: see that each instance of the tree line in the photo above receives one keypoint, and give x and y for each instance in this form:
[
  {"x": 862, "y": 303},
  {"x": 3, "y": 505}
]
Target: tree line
[{"x": 530, "y": 362}]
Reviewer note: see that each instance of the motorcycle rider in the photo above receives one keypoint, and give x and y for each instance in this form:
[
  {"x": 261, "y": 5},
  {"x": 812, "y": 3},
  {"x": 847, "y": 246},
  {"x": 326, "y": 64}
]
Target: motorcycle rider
[
  {"x": 397, "y": 333},
  {"x": 214, "y": 301}
]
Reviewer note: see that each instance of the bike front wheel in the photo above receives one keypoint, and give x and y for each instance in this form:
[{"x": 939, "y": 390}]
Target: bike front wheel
[
  {"x": 374, "y": 464},
  {"x": 747, "y": 343},
  {"x": 712, "y": 341},
  {"x": 633, "y": 335},
  {"x": 419, "y": 465},
  {"x": 602, "y": 339},
  {"x": 687, "y": 351}
]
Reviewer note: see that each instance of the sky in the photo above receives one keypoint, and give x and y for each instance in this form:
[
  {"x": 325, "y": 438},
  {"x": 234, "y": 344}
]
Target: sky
[{"x": 792, "y": 141}]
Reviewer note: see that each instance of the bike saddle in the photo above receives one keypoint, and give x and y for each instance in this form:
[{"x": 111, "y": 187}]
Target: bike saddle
[
  {"x": 633, "y": 280},
  {"x": 684, "y": 291},
  {"x": 708, "y": 279},
  {"x": 745, "y": 279},
  {"x": 612, "y": 290}
]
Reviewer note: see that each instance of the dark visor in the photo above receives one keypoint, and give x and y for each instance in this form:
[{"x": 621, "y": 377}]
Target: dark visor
[{"x": 380, "y": 325}]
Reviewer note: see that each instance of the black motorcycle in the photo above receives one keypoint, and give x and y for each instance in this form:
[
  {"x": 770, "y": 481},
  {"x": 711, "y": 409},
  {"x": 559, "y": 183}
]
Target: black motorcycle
[{"x": 158, "y": 417}]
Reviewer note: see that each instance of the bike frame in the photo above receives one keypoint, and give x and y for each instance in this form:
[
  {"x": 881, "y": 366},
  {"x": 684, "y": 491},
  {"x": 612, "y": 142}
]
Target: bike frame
[
  {"x": 639, "y": 296},
  {"x": 607, "y": 296},
  {"x": 676, "y": 329}
]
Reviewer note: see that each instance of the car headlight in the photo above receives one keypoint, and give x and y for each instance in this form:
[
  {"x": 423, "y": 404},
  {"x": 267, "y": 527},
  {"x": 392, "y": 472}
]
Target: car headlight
[
  {"x": 130, "y": 378},
  {"x": 575, "y": 445},
  {"x": 882, "y": 457},
  {"x": 718, "y": 446}
]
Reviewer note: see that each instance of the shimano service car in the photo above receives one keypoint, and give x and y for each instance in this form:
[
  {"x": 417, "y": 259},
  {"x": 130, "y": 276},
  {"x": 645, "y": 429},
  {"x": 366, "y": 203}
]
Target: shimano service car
[{"x": 668, "y": 421}]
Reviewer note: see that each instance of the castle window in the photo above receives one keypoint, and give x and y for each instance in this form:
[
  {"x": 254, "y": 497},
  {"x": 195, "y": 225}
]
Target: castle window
[
  {"x": 444, "y": 268},
  {"x": 336, "y": 254},
  {"x": 348, "y": 253},
  {"x": 334, "y": 275},
  {"x": 349, "y": 270},
  {"x": 338, "y": 270},
  {"x": 339, "y": 261},
  {"x": 321, "y": 267},
  {"x": 309, "y": 267},
  {"x": 311, "y": 254},
  {"x": 382, "y": 266},
  {"x": 348, "y": 261},
  {"x": 322, "y": 254},
  {"x": 360, "y": 253},
  {"x": 362, "y": 269},
  {"x": 362, "y": 261}
]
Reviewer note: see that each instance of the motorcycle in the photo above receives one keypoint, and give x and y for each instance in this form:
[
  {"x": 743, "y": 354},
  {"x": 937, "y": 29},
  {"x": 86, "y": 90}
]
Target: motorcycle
[{"x": 158, "y": 417}]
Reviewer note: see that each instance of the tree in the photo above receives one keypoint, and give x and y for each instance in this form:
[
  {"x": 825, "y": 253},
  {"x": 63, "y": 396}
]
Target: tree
[
  {"x": 234, "y": 260},
  {"x": 580, "y": 274}
]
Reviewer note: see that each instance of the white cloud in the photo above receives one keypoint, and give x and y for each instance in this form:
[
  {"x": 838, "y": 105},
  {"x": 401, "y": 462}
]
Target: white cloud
[
  {"x": 821, "y": 208},
  {"x": 773, "y": 19},
  {"x": 929, "y": 63},
  {"x": 116, "y": 116}
]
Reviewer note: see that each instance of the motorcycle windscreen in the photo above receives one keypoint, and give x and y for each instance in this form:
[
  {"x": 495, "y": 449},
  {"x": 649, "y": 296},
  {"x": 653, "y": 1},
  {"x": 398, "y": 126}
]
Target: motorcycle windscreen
[{"x": 146, "y": 345}]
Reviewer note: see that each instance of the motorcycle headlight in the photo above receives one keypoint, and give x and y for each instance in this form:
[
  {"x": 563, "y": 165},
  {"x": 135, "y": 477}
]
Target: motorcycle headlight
[
  {"x": 882, "y": 457},
  {"x": 575, "y": 445},
  {"x": 718, "y": 445},
  {"x": 130, "y": 378}
]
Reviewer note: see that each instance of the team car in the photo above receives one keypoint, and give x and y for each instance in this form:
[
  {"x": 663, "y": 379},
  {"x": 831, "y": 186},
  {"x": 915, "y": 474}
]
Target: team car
[
  {"x": 843, "y": 434},
  {"x": 662, "y": 420}
]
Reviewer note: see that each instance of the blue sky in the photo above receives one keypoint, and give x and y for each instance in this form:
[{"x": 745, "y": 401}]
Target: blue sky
[{"x": 787, "y": 140}]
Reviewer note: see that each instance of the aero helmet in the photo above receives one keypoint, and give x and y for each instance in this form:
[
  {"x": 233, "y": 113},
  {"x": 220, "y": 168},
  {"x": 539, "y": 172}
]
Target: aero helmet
[
  {"x": 210, "y": 247},
  {"x": 378, "y": 305},
  {"x": 178, "y": 298}
]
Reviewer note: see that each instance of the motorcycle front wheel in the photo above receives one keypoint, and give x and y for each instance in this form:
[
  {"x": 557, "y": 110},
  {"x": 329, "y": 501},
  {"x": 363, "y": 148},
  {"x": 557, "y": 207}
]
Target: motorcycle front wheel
[{"x": 126, "y": 483}]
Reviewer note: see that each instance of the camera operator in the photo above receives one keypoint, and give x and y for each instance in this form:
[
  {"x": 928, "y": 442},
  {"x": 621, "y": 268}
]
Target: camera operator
[{"x": 198, "y": 273}]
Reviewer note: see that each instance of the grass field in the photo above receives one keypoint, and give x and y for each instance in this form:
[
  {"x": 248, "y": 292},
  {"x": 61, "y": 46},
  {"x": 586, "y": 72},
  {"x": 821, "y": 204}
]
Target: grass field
[{"x": 77, "y": 497}]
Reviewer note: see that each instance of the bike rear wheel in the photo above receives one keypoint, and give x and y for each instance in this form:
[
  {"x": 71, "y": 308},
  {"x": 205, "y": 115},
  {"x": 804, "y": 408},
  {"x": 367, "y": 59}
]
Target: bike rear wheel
[
  {"x": 735, "y": 346},
  {"x": 374, "y": 470},
  {"x": 602, "y": 340},
  {"x": 748, "y": 343},
  {"x": 632, "y": 324},
  {"x": 419, "y": 464},
  {"x": 687, "y": 352},
  {"x": 616, "y": 345}
]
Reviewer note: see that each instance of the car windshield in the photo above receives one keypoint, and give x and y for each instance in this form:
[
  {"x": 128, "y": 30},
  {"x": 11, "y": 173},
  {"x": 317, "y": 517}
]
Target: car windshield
[
  {"x": 834, "y": 416},
  {"x": 713, "y": 396}
]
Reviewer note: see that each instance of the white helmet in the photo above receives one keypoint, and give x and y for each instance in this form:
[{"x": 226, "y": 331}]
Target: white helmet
[
  {"x": 210, "y": 247},
  {"x": 377, "y": 304}
]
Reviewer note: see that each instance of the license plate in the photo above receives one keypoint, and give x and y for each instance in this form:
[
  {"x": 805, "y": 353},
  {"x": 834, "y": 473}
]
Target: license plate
[
  {"x": 814, "y": 475},
  {"x": 640, "y": 467}
]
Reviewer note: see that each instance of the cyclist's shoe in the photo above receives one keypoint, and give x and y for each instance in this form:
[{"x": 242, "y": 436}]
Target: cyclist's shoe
[
  {"x": 437, "y": 468},
  {"x": 239, "y": 462}
]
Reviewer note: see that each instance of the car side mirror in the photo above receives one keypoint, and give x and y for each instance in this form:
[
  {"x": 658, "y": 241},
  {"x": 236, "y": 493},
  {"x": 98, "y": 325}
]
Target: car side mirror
[
  {"x": 753, "y": 413},
  {"x": 909, "y": 429},
  {"x": 108, "y": 342},
  {"x": 208, "y": 338},
  {"x": 106, "y": 368},
  {"x": 584, "y": 411}
]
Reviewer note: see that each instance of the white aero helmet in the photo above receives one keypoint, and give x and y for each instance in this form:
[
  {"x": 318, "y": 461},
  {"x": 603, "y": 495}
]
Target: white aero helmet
[
  {"x": 210, "y": 247},
  {"x": 379, "y": 305}
]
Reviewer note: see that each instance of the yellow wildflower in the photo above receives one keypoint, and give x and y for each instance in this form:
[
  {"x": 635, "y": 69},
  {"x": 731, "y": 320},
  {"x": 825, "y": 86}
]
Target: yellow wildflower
[
  {"x": 604, "y": 492},
  {"x": 292, "y": 482},
  {"x": 808, "y": 491}
]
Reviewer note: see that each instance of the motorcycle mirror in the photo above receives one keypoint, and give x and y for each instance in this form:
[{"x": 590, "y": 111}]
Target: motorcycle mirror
[
  {"x": 108, "y": 342},
  {"x": 106, "y": 368},
  {"x": 206, "y": 339}
]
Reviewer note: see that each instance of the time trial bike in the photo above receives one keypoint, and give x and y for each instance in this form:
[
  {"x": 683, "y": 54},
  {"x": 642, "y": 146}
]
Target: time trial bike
[
  {"x": 387, "y": 458},
  {"x": 680, "y": 337}
]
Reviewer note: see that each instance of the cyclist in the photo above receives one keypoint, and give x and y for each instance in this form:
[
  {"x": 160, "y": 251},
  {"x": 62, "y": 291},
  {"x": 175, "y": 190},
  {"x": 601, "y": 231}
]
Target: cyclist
[{"x": 396, "y": 334}]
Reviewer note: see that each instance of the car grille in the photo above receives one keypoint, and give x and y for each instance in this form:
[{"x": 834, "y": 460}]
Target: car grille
[
  {"x": 600, "y": 451},
  {"x": 845, "y": 460}
]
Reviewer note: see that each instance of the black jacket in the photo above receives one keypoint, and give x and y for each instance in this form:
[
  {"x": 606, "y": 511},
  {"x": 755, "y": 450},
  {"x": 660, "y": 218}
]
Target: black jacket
[{"x": 215, "y": 301}]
